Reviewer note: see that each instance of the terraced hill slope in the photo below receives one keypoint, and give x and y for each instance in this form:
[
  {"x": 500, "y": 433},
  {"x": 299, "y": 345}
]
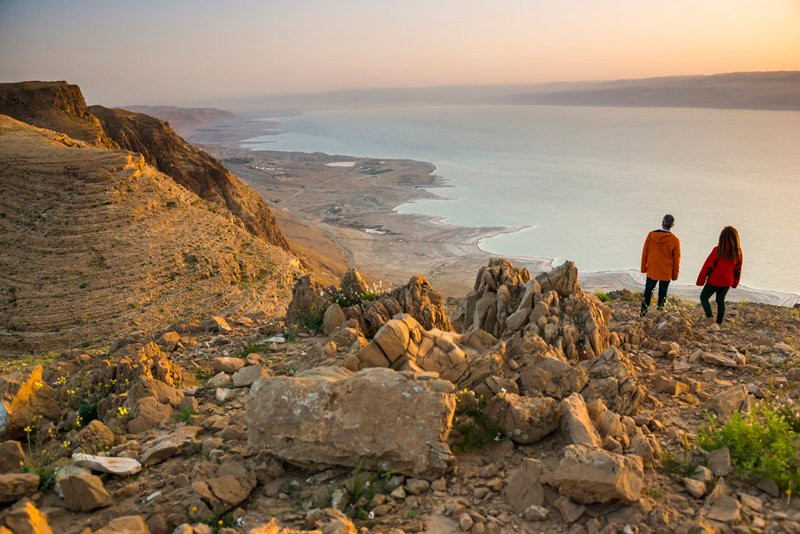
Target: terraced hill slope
[
  {"x": 190, "y": 167},
  {"x": 95, "y": 242}
]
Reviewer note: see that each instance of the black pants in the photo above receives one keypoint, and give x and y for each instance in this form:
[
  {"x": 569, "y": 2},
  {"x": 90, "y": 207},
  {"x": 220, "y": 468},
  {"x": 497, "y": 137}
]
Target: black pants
[
  {"x": 649, "y": 285},
  {"x": 706, "y": 293}
]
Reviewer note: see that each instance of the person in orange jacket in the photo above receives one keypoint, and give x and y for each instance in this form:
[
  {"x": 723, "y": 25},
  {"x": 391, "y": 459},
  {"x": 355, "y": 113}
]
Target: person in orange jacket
[
  {"x": 661, "y": 261},
  {"x": 721, "y": 271}
]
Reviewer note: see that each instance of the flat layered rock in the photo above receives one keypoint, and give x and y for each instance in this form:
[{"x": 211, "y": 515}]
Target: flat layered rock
[
  {"x": 375, "y": 418},
  {"x": 108, "y": 464}
]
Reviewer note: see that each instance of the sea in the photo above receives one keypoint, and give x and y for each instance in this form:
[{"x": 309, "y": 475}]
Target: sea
[{"x": 588, "y": 183}]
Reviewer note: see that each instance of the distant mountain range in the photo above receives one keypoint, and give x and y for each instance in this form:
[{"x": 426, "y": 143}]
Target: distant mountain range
[{"x": 743, "y": 90}]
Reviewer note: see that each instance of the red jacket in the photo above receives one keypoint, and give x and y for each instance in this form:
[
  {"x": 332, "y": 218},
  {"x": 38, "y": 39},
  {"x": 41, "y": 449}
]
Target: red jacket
[{"x": 723, "y": 273}]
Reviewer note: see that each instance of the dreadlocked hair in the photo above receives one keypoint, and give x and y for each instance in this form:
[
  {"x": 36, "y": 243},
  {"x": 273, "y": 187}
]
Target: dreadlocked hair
[{"x": 729, "y": 248}]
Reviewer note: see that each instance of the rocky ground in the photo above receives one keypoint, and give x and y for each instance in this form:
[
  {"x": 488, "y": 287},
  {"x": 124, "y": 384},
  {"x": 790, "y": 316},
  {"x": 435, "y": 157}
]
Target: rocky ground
[{"x": 527, "y": 406}]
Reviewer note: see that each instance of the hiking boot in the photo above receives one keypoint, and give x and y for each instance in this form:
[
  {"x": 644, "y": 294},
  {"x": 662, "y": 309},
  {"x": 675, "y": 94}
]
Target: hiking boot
[{"x": 643, "y": 311}]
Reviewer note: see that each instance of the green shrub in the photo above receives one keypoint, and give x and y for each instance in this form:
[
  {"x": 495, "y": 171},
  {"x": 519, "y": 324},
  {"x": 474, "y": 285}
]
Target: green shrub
[
  {"x": 762, "y": 444},
  {"x": 602, "y": 295},
  {"x": 471, "y": 429}
]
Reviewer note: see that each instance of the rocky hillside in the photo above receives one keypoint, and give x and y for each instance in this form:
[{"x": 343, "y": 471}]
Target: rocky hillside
[
  {"x": 96, "y": 241},
  {"x": 383, "y": 415},
  {"x": 56, "y": 106},
  {"x": 190, "y": 167},
  {"x": 61, "y": 107}
]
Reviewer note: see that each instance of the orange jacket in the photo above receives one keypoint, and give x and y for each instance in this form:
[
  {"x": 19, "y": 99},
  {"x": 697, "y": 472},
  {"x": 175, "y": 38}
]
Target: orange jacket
[{"x": 661, "y": 255}]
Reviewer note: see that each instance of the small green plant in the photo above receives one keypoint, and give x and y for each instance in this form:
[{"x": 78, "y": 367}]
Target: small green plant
[
  {"x": 184, "y": 415},
  {"x": 314, "y": 321},
  {"x": 472, "y": 429},
  {"x": 251, "y": 346},
  {"x": 373, "y": 172},
  {"x": 358, "y": 491},
  {"x": 602, "y": 295},
  {"x": 290, "y": 336},
  {"x": 685, "y": 463},
  {"x": 762, "y": 443}
]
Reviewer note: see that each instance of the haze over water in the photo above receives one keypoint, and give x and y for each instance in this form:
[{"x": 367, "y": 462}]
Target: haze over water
[{"x": 588, "y": 183}]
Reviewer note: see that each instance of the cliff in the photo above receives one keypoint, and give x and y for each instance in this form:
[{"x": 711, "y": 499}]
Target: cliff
[
  {"x": 190, "y": 167},
  {"x": 94, "y": 242},
  {"x": 56, "y": 106}
]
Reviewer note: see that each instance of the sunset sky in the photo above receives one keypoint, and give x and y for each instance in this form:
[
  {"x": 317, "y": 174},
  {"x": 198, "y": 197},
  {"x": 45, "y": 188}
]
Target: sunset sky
[{"x": 188, "y": 51}]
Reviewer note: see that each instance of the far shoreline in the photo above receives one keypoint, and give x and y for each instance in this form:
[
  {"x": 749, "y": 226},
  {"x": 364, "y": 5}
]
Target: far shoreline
[{"x": 375, "y": 239}]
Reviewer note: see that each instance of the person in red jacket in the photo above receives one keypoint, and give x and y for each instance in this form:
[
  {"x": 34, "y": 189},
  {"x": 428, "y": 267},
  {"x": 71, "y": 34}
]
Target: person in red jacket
[
  {"x": 661, "y": 261},
  {"x": 721, "y": 271}
]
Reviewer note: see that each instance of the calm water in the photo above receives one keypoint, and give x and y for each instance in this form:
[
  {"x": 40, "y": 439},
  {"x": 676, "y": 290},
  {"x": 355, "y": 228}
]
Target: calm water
[{"x": 588, "y": 183}]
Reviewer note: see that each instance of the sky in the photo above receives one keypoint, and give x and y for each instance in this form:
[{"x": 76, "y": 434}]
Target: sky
[{"x": 182, "y": 52}]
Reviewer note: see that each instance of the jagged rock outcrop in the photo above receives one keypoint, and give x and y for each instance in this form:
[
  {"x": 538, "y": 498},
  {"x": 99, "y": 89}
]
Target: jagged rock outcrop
[
  {"x": 326, "y": 416},
  {"x": 57, "y": 106},
  {"x": 507, "y": 303},
  {"x": 190, "y": 167},
  {"x": 475, "y": 361},
  {"x": 95, "y": 241},
  {"x": 417, "y": 298}
]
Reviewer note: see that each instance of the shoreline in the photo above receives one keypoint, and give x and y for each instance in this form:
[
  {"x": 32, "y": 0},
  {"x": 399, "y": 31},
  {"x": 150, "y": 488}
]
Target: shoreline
[{"x": 355, "y": 208}]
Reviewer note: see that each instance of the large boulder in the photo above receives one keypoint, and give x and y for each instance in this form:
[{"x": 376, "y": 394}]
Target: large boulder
[
  {"x": 375, "y": 418},
  {"x": 25, "y": 518},
  {"x": 14, "y": 486},
  {"x": 25, "y": 397},
  {"x": 84, "y": 493},
  {"x": 523, "y": 419},
  {"x": 589, "y": 475}
]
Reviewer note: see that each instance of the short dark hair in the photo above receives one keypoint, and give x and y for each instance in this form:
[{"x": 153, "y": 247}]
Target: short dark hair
[{"x": 668, "y": 221}]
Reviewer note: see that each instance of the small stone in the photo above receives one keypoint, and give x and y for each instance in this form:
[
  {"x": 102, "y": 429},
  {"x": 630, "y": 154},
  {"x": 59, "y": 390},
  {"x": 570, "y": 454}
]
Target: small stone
[
  {"x": 216, "y": 324},
  {"x": 247, "y": 375},
  {"x": 725, "y": 509},
  {"x": 228, "y": 365},
  {"x": 14, "y": 486},
  {"x": 570, "y": 512},
  {"x": 416, "y": 486},
  {"x": 84, "y": 493},
  {"x": 670, "y": 386},
  {"x": 703, "y": 474},
  {"x": 752, "y": 502},
  {"x": 219, "y": 380},
  {"x": 11, "y": 456},
  {"x": 719, "y": 461},
  {"x": 524, "y": 486},
  {"x": 576, "y": 423},
  {"x": 398, "y": 493},
  {"x": 129, "y": 524},
  {"x": 440, "y": 484},
  {"x": 728, "y": 401},
  {"x": 696, "y": 488},
  {"x": 769, "y": 486},
  {"x": 536, "y": 513},
  {"x": 465, "y": 522},
  {"x": 222, "y": 395}
]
